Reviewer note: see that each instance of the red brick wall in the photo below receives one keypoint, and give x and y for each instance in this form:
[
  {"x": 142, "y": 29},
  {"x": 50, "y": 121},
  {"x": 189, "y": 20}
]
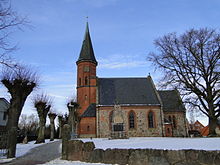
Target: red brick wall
[
  {"x": 87, "y": 127},
  {"x": 86, "y": 94}
]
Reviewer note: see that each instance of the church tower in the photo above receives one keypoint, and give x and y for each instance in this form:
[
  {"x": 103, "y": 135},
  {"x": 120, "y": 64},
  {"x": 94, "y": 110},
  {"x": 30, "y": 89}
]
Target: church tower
[{"x": 86, "y": 86}]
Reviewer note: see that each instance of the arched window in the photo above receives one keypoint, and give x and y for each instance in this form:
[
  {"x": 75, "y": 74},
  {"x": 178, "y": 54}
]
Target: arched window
[
  {"x": 131, "y": 119},
  {"x": 110, "y": 120},
  {"x": 151, "y": 119},
  {"x": 168, "y": 130},
  {"x": 79, "y": 81},
  {"x": 86, "y": 97},
  {"x": 88, "y": 128},
  {"x": 170, "y": 120},
  {"x": 86, "y": 80},
  {"x": 174, "y": 122}
]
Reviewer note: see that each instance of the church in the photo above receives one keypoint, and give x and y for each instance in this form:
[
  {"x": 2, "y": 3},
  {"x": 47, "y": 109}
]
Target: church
[{"x": 124, "y": 107}]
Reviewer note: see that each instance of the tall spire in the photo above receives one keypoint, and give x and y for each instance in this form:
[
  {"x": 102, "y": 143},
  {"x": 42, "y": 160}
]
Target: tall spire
[{"x": 87, "y": 53}]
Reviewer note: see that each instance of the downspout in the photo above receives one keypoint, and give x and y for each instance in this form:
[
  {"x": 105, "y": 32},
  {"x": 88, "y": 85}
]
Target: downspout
[
  {"x": 97, "y": 109},
  {"x": 162, "y": 125}
]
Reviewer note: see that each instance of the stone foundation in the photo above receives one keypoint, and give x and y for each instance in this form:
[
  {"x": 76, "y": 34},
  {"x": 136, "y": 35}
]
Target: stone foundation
[{"x": 86, "y": 152}]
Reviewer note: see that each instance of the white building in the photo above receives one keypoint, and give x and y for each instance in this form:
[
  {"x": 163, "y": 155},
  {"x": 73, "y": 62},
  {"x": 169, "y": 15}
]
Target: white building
[{"x": 4, "y": 105}]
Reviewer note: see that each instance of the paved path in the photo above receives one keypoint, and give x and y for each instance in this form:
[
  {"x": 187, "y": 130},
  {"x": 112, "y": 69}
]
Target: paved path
[{"x": 39, "y": 155}]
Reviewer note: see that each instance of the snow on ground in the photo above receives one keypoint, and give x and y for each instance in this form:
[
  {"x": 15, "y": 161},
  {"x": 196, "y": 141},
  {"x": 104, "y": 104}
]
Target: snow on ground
[
  {"x": 22, "y": 149},
  {"x": 65, "y": 162},
  {"x": 158, "y": 143}
]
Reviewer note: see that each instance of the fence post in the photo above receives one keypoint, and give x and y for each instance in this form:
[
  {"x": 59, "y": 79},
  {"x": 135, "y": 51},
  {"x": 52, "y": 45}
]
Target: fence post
[{"x": 65, "y": 138}]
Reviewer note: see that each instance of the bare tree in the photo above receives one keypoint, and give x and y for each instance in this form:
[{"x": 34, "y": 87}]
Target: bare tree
[
  {"x": 191, "y": 63},
  {"x": 9, "y": 22},
  {"x": 28, "y": 124},
  {"x": 42, "y": 103},
  {"x": 20, "y": 82},
  {"x": 52, "y": 116}
]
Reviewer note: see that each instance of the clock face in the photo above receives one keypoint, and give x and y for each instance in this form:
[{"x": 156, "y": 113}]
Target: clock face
[{"x": 86, "y": 69}]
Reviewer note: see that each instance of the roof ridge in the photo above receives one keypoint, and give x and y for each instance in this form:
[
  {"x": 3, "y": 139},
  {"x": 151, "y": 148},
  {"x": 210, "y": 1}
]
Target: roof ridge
[{"x": 121, "y": 77}]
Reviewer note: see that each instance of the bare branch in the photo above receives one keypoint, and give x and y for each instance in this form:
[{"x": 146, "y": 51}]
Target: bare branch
[{"x": 9, "y": 22}]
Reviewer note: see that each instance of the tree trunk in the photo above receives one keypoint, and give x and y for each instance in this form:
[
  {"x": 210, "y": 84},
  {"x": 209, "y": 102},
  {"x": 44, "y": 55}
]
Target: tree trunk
[
  {"x": 212, "y": 126},
  {"x": 52, "y": 117},
  {"x": 52, "y": 128},
  {"x": 60, "y": 126},
  {"x": 12, "y": 141},
  {"x": 52, "y": 132},
  {"x": 14, "y": 111},
  {"x": 41, "y": 131}
]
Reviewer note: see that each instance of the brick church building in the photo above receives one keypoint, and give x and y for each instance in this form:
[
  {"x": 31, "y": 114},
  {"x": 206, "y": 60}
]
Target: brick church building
[{"x": 124, "y": 107}]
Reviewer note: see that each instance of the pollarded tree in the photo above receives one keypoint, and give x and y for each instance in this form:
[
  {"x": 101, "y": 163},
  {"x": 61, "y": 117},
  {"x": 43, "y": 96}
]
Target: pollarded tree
[
  {"x": 52, "y": 117},
  {"x": 191, "y": 63},
  {"x": 20, "y": 82},
  {"x": 42, "y": 103}
]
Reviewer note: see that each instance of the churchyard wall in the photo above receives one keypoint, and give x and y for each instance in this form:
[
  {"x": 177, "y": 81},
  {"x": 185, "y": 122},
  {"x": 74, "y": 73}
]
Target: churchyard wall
[{"x": 76, "y": 150}]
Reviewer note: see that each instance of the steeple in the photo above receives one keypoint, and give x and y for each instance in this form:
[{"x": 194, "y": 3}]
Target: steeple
[{"x": 87, "y": 53}]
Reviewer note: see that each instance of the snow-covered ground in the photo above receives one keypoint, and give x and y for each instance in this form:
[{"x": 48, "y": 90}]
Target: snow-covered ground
[{"x": 158, "y": 143}]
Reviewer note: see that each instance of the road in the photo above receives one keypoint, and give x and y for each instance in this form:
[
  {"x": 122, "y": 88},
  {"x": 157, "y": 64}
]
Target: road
[{"x": 39, "y": 155}]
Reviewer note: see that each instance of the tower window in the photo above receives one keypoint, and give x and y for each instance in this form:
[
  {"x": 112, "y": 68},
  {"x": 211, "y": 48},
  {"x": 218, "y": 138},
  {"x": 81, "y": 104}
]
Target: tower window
[
  {"x": 79, "y": 81},
  {"x": 170, "y": 120},
  {"x": 151, "y": 120},
  {"x": 131, "y": 119},
  {"x": 86, "y": 80},
  {"x": 86, "y": 69},
  {"x": 88, "y": 128},
  {"x": 168, "y": 130}
]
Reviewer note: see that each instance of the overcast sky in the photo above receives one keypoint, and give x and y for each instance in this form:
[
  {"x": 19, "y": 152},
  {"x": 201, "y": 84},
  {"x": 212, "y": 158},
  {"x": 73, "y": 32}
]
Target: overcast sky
[{"x": 122, "y": 32}]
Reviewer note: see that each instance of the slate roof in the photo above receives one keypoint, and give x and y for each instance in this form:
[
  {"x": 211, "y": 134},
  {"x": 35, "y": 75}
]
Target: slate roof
[
  {"x": 87, "y": 53},
  {"x": 90, "y": 111},
  {"x": 171, "y": 101},
  {"x": 127, "y": 91}
]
